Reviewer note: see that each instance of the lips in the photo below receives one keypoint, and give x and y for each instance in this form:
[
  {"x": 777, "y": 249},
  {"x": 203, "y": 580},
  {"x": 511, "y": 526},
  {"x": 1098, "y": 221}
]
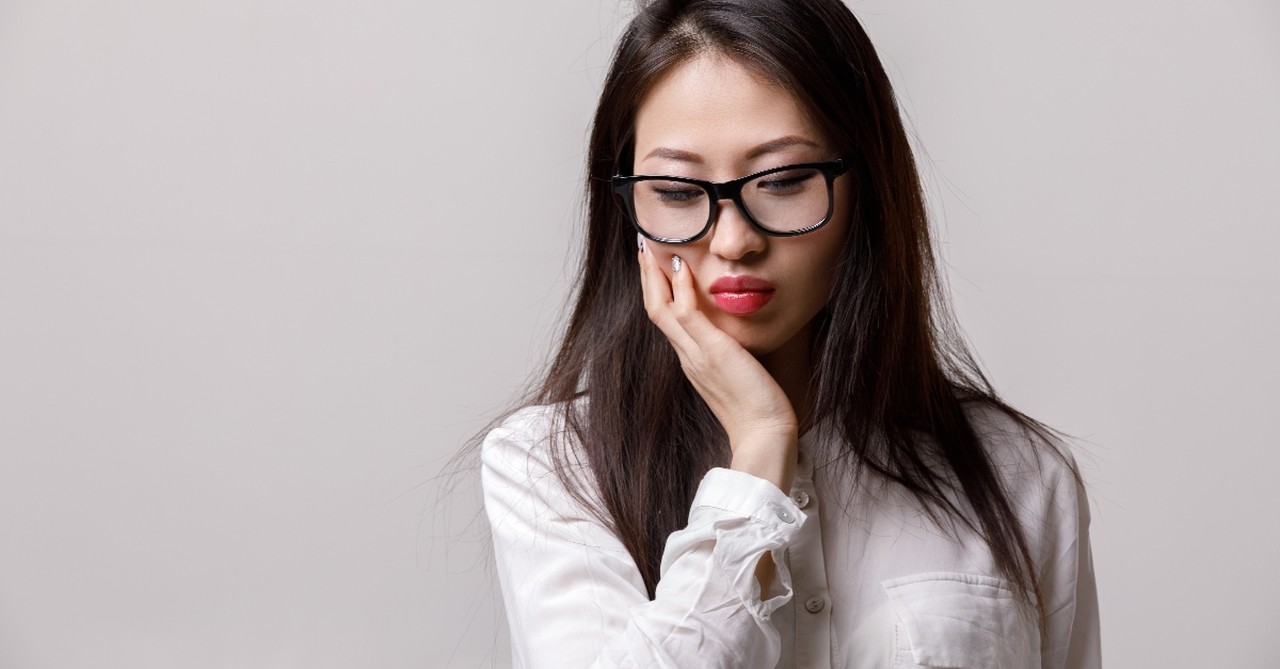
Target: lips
[{"x": 741, "y": 295}]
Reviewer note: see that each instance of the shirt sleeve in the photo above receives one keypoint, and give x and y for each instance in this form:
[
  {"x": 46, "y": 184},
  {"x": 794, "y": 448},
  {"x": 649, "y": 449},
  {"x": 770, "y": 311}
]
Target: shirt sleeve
[
  {"x": 574, "y": 596},
  {"x": 1068, "y": 587}
]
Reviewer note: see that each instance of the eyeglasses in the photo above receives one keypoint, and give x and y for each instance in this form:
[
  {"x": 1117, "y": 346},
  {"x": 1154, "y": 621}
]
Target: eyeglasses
[{"x": 783, "y": 202}]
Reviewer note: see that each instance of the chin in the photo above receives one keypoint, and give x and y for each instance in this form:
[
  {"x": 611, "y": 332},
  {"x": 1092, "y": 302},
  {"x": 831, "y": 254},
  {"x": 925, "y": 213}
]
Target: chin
[
  {"x": 756, "y": 343},
  {"x": 764, "y": 339}
]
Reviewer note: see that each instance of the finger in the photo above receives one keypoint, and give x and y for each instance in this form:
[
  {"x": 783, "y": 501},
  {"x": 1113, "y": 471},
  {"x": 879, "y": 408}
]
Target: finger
[
  {"x": 658, "y": 299},
  {"x": 656, "y": 289},
  {"x": 684, "y": 298},
  {"x": 685, "y": 305}
]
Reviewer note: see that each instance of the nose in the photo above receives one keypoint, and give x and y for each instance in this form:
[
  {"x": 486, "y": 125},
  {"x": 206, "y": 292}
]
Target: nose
[{"x": 732, "y": 236}]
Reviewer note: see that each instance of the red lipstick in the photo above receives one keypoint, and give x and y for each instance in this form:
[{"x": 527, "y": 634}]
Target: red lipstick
[{"x": 741, "y": 295}]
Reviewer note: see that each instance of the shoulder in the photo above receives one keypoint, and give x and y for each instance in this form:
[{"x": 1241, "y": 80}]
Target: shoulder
[
  {"x": 525, "y": 437},
  {"x": 1023, "y": 454},
  {"x": 1038, "y": 470},
  {"x": 532, "y": 448},
  {"x": 529, "y": 425}
]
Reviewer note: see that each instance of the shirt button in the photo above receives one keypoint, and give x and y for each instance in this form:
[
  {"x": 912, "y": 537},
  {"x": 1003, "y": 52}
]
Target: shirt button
[
  {"x": 815, "y": 605},
  {"x": 785, "y": 516},
  {"x": 801, "y": 498}
]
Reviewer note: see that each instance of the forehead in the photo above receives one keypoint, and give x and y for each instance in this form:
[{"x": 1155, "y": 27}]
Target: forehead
[{"x": 720, "y": 110}]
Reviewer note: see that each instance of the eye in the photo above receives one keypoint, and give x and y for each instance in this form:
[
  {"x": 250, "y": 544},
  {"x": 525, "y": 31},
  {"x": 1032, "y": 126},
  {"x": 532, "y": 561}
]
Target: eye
[
  {"x": 672, "y": 192},
  {"x": 787, "y": 182}
]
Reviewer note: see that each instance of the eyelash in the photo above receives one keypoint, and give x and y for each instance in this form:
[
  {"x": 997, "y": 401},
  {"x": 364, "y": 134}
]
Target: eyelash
[
  {"x": 784, "y": 183},
  {"x": 678, "y": 194}
]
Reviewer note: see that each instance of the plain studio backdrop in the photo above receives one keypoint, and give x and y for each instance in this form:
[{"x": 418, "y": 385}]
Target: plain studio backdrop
[{"x": 264, "y": 266}]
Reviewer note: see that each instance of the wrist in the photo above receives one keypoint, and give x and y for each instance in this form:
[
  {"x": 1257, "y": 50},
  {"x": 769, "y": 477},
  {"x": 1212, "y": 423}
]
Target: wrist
[{"x": 772, "y": 458}]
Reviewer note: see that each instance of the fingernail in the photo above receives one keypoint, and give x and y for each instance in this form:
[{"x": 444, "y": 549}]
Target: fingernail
[
  {"x": 640, "y": 242},
  {"x": 676, "y": 264}
]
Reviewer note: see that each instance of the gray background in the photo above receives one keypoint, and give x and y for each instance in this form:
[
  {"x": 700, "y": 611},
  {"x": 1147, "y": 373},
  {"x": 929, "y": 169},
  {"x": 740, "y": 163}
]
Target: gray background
[{"x": 265, "y": 265}]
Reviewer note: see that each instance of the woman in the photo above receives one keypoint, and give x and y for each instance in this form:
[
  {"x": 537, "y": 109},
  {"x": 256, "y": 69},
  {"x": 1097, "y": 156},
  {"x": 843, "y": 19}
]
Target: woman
[{"x": 762, "y": 443}]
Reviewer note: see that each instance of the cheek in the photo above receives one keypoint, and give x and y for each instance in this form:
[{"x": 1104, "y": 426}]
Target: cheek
[
  {"x": 662, "y": 253},
  {"x": 822, "y": 259}
]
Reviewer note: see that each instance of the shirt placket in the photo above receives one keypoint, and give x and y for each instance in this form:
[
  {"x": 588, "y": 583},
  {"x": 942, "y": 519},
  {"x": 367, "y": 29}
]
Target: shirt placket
[{"x": 812, "y": 600}]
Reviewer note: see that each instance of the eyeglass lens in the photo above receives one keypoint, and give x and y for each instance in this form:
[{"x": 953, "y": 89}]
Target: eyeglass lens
[{"x": 780, "y": 201}]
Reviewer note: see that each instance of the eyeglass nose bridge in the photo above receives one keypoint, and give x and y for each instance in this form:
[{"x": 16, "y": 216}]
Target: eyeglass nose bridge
[{"x": 729, "y": 190}]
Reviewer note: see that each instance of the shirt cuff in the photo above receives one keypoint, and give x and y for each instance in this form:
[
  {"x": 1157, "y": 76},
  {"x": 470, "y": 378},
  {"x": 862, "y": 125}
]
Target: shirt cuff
[{"x": 747, "y": 516}]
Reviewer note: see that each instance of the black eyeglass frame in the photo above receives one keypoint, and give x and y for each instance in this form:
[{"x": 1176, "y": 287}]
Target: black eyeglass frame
[{"x": 728, "y": 190}]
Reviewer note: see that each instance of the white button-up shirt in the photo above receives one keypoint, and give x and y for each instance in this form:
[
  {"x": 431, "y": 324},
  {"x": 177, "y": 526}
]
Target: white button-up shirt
[{"x": 864, "y": 578}]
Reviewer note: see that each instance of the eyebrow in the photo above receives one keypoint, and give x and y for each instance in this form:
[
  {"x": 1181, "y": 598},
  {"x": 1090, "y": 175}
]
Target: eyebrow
[{"x": 772, "y": 146}]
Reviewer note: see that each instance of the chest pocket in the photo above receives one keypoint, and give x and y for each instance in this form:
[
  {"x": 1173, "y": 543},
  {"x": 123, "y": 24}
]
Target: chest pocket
[{"x": 961, "y": 621}]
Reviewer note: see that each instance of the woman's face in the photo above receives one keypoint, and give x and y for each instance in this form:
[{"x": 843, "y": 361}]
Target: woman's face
[{"x": 713, "y": 119}]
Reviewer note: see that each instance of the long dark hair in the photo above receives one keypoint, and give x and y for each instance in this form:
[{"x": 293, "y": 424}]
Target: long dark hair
[{"x": 890, "y": 365}]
